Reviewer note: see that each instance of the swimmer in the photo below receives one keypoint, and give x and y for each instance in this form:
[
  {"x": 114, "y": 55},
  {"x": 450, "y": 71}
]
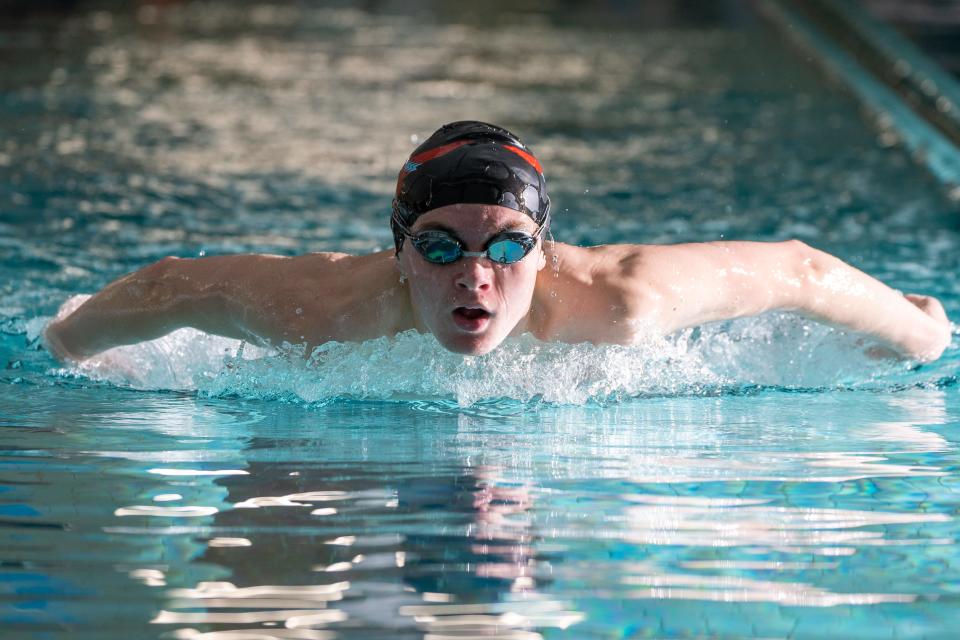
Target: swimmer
[{"x": 471, "y": 266}]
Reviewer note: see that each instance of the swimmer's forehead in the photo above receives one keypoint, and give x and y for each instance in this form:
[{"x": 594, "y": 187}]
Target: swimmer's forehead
[{"x": 463, "y": 218}]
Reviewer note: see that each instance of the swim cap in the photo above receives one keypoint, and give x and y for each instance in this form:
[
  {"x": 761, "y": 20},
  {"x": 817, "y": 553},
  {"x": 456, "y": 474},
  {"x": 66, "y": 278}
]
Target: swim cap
[{"x": 469, "y": 162}]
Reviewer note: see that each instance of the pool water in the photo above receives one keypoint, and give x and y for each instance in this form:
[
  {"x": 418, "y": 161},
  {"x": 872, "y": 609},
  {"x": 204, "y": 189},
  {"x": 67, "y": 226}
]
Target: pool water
[{"x": 762, "y": 478}]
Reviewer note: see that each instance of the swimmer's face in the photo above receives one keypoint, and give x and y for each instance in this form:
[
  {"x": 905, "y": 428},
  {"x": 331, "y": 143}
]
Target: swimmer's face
[{"x": 472, "y": 304}]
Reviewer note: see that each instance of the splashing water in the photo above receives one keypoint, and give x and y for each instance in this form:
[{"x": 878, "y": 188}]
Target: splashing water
[{"x": 773, "y": 350}]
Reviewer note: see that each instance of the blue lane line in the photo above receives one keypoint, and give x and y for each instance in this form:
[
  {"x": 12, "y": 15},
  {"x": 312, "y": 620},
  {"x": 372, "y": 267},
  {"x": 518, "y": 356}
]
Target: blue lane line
[{"x": 927, "y": 145}]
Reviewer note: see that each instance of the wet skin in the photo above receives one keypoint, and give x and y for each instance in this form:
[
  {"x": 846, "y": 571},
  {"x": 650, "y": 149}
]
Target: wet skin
[
  {"x": 602, "y": 294},
  {"x": 472, "y": 304}
]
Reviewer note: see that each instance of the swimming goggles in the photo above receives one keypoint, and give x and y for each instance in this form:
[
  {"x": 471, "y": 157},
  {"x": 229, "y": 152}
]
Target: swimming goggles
[{"x": 440, "y": 247}]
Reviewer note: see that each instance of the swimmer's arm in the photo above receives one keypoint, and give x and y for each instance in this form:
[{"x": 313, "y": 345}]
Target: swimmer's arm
[
  {"x": 724, "y": 280},
  {"x": 231, "y": 296}
]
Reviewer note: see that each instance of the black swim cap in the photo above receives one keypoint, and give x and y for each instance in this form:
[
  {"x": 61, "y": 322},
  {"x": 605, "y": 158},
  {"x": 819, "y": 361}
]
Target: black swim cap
[{"x": 469, "y": 162}]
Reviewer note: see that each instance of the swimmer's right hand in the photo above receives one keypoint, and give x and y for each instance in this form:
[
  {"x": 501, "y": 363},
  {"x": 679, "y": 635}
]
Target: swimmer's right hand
[
  {"x": 52, "y": 335},
  {"x": 52, "y": 343}
]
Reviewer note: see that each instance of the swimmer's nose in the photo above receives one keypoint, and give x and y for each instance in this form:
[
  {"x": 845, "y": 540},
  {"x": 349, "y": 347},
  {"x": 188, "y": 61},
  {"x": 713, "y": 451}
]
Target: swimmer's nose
[{"x": 474, "y": 275}]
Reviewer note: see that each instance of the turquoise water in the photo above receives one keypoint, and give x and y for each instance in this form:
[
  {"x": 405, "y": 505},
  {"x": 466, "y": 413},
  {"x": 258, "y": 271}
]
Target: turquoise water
[{"x": 758, "y": 479}]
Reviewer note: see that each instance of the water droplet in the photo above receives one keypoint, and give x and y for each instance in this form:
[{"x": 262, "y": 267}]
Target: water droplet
[{"x": 299, "y": 312}]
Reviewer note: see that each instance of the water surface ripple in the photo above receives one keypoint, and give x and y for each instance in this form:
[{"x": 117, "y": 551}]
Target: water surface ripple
[{"x": 760, "y": 479}]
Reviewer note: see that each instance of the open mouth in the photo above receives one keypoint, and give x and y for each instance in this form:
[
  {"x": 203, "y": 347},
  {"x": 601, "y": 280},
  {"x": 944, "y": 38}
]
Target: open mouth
[{"x": 471, "y": 319}]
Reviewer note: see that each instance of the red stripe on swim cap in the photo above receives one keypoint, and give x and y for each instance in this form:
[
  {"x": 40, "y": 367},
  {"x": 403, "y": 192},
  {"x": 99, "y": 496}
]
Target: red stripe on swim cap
[
  {"x": 526, "y": 156},
  {"x": 430, "y": 154}
]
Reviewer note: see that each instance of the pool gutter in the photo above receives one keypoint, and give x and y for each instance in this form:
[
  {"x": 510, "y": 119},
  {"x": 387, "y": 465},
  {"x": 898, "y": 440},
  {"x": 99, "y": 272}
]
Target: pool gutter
[{"x": 909, "y": 97}]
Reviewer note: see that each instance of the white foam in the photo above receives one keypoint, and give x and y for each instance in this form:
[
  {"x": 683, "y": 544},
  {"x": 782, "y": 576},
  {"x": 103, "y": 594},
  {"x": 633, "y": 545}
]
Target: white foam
[{"x": 776, "y": 350}]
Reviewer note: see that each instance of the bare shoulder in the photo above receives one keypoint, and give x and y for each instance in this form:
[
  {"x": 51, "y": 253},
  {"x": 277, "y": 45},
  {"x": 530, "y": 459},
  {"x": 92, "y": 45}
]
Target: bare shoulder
[
  {"x": 621, "y": 292},
  {"x": 259, "y": 273},
  {"x": 720, "y": 251},
  {"x": 322, "y": 265},
  {"x": 595, "y": 294},
  {"x": 658, "y": 266},
  {"x": 618, "y": 292},
  {"x": 337, "y": 296},
  {"x": 311, "y": 298}
]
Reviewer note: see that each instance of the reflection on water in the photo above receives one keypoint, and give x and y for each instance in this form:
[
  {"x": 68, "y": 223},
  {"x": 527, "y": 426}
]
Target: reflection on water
[
  {"x": 382, "y": 519},
  {"x": 722, "y": 524},
  {"x": 296, "y": 606}
]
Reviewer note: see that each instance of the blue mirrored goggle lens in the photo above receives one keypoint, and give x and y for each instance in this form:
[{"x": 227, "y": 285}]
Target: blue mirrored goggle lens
[
  {"x": 439, "y": 248},
  {"x": 506, "y": 251}
]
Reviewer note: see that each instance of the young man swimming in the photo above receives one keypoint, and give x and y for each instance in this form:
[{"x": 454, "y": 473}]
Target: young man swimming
[{"x": 471, "y": 267}]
